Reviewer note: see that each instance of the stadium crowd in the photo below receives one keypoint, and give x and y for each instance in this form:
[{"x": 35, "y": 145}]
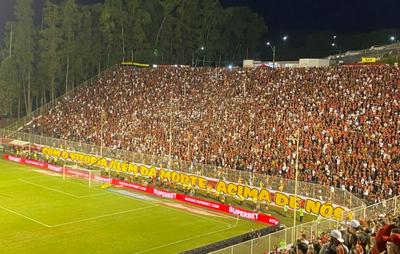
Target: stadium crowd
[
  {"x": 357, "y": 237},
  {"x": 348, "y": 118}
]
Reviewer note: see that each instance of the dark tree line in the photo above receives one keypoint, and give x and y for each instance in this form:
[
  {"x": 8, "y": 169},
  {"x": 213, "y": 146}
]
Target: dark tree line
[{"x": 72, "y": 42}]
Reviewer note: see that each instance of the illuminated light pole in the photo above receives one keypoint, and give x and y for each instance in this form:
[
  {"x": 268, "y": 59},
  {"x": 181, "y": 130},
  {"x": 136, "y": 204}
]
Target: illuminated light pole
[
  {"x": 392, "y": 38},
  {"x": 273, "y": 48},
  {"x": 296, "y": 139},
  {"x": 194, "y": 63}
]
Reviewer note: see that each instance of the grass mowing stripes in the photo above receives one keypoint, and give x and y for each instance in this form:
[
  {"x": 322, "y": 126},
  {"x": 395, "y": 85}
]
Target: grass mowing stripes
[{"x": 41, "y": 213}]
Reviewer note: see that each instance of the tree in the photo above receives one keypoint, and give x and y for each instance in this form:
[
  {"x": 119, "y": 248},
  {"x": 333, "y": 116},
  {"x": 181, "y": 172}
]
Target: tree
[
  {"x": 49, "y": 50},
  {"x": 23, "y": 50},
  {"x": 76, "y": 41},
  {"x": 8, "y": 87},
  {"x": 112, "y": 20},
  {"x": 70, "y": 25}
]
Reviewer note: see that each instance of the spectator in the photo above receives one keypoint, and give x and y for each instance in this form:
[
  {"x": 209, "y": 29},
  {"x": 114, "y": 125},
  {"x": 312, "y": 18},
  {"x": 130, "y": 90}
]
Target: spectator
[
  {"x": 335, "y": 244},
  {"x": 240, "y": 119},
  {"x": 301, "y": 248}
]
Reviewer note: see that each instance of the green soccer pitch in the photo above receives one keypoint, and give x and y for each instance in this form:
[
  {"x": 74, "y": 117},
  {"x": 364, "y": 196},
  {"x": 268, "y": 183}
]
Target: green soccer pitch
[{"x": 42, "y": 213}]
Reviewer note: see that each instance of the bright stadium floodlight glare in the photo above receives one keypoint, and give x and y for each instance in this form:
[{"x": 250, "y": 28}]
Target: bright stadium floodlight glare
[
  {"x": 230, "y": 67},
  {"x": 334, "y": 37},
  {"x": 285, "y": 38},
  {"x": 333, "y": 44},
  {"x": 154, "y": 65},
  {"x": 268, "y": 43},
  {"x": 202, "y": 48},
  {"x": 392, "y": 38}
]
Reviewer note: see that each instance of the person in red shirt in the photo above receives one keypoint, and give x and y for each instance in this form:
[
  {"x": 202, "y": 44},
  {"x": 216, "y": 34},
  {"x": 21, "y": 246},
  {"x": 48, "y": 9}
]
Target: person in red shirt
[
  {"x": 393, "y": 242},
  {"x": 381, "y": 239}
]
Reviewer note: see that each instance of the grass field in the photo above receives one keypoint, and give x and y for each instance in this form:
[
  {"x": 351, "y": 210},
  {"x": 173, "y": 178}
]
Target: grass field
[{"x": 42, "y": 213}]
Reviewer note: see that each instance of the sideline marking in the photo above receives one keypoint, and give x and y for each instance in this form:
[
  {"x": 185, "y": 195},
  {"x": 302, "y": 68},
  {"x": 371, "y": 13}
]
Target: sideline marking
[
  {"x": 184, "y": 240},
  {"x": 102, "y": 216},
  {"x": 77, "y": 221},
  {"x": 204, "y": 217},
  {"x": 60, "y": 191},
  {"x": 24, "y": 216}
]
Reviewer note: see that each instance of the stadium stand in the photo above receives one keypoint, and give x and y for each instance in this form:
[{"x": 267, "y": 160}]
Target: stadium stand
[
  {"x": 348, "y": 118},
  {"x": 381, "y": 235}
]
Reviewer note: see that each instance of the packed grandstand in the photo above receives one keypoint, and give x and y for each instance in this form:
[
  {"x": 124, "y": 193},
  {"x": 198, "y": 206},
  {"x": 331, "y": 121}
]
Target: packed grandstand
[{"x": 348, "y": 118}]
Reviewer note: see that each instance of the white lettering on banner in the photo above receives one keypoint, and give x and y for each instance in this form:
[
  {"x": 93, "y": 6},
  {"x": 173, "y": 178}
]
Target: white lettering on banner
[
  {"x": 243, "y": 214},
  {"x": 54, "y": 168},
  {"x": 164, "y": 194},
  {"x": 16, "y": 159},
  {"x": 36, "y": 163},
  {"x": 273, "y": 221},
  {"x": 72, "y": 172},
  {"x": 201, "y": 202},
  {"x": 133, "y": 186},
  {"x": 103, "y": 179}
]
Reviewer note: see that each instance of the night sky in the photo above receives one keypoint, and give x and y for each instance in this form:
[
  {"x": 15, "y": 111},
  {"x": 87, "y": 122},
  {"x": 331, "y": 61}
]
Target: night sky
[
  {"x": 284, "y": 16},
  {"x": 334, "y": 15}
]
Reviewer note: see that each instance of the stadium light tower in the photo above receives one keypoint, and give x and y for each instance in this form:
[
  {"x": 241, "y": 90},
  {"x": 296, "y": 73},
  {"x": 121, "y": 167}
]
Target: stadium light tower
[
  {"x": 102, "y": 116},
  {"x": 295, "y": 139},
  {"x": 273, "y": 48},
  {"x": 202, "y": 48},
  {"x": 171, "y": 115},
  {"x": 395, "y": 40}
]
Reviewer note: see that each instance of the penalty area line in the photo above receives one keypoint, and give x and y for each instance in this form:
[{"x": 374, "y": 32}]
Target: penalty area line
[
  {"x": 102, "y": 216},
  {"x": 24, "y": 216},
  {"x": 48, "y": 188},
  {"x": 62, "y": 192},
  {"x": 184, "y": 240}
]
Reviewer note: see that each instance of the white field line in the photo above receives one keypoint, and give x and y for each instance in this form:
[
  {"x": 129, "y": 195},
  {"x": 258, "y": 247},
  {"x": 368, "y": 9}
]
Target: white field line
[
  {"x": 103, "y": 216},
  {"x": 60, "y": 191},
  {"x": 204, "y": 217},
  {"x": 77, "y": 221},
  {"x": 184, "y": 240},
  {"x": 57, "y": 175},
  {"x": 162, "y": 202},
  {"x": 24, "y": 216}
]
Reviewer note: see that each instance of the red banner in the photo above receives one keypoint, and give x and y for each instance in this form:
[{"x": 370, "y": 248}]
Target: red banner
[{"x": 242, "y": 213}]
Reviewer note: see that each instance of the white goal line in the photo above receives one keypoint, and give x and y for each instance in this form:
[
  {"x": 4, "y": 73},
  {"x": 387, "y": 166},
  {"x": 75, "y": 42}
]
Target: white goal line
[
  {"x": 76, "y": 221},
  {"x": 60, "y": 191}
]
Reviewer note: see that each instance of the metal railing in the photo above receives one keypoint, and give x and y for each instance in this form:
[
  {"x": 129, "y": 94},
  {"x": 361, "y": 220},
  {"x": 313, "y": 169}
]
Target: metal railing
[
  {"x": 324, "y": 193},
  {"x": 314, "y": 228},
  {"x": 336, "y": 196}
]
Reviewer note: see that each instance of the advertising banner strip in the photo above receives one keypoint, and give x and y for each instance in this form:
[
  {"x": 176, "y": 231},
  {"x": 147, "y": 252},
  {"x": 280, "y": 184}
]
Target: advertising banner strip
[{"x": 235, "y": 211}]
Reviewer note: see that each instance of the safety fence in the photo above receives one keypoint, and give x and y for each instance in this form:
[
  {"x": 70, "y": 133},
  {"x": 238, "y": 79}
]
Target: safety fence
[
  {"x": 281, "y": 239},
  {"x": 315, "y": 191},
  {"x": 357, "y": 208}
]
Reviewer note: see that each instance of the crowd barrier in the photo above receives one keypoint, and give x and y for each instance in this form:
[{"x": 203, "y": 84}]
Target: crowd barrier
[
  {"x": 314, "y": 228},
  {"x": 313, "y": 191},
  {"x": 357, "y": 208},
  {"x": 234, "y": 211}
]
